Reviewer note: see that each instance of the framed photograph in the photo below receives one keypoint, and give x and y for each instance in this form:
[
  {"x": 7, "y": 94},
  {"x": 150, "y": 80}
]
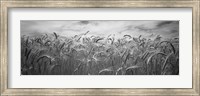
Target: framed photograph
[{"x": 101, "y": 47}]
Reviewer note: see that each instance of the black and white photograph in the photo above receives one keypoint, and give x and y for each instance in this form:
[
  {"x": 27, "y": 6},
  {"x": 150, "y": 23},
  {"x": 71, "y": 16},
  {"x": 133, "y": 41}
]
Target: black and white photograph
[{"x": 99, "y": 47}]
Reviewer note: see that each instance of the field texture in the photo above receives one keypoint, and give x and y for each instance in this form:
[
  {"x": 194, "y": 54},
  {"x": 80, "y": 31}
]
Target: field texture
[{"x": 52, "y": 54}]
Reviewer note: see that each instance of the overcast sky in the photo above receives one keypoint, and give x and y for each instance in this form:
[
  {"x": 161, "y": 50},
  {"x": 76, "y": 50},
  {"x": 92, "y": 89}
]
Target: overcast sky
[{"x": 103, "y": 28}]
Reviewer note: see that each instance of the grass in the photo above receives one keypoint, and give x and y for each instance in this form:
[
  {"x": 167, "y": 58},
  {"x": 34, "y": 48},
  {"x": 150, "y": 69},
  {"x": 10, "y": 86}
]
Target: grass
[{"x": 52, "y": 54}]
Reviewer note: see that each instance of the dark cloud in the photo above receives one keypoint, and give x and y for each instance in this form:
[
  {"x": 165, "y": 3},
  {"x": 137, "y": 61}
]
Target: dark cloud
[
  {"x": 163, "y": 23},
  {"x": 84, "y": 22},
  {"x": 142, "y": 28},
  {"x": 174, "y": 31}
]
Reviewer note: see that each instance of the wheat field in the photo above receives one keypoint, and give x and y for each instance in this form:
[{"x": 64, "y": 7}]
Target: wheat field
[{"x": 82, "y": 54}]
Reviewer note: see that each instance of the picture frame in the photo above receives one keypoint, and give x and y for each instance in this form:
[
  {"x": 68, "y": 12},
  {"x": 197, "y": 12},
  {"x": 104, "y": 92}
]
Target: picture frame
[{"x": 6, "y": 4}]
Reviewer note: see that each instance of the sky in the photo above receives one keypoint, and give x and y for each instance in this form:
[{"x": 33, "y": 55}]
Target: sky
[{"x": 166, "y": 29}]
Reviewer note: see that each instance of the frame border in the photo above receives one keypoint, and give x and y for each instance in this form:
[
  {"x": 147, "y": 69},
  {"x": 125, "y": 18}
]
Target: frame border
[{"x": 6, "y": 4}]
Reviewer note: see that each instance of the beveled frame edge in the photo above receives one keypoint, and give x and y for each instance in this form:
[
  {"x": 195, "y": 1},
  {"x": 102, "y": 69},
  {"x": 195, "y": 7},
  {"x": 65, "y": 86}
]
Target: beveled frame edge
[{"x": 6, "y": 4}]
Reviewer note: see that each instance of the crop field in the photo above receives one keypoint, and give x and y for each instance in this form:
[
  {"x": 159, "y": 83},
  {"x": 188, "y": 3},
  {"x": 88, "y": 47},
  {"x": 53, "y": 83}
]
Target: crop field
[{"x": 83, "y": 54}]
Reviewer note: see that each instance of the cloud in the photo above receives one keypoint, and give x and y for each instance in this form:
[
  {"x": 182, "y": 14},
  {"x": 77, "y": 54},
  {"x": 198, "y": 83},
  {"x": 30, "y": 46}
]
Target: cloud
[
  {"x": 162, "y": 23},
  {"x": 84, "y": 22},
  {"x": 101, "y": 27}
]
